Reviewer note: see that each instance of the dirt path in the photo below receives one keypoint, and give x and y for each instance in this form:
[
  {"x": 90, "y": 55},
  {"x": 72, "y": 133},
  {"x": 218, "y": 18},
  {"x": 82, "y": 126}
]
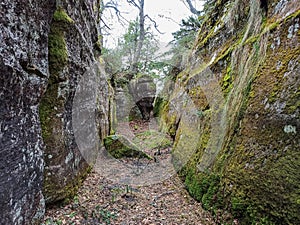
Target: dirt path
[{"x": 102, "y": 200}]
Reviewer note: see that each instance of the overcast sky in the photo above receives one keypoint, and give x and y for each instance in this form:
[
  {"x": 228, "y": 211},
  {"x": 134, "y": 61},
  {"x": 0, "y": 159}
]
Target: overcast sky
[{"x": 167, "y": 14}]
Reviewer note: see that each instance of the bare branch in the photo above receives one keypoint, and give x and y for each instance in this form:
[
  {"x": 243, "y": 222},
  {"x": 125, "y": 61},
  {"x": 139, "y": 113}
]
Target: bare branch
[
  {"x": 186, "y": 5},
  {"x": 118, "y": 13},
  {"x": 105, "y": 25},
  {"x": 154, "y": 22},
  {"x": 132, "y": 2},
  {"x": 168, "y": 18}
]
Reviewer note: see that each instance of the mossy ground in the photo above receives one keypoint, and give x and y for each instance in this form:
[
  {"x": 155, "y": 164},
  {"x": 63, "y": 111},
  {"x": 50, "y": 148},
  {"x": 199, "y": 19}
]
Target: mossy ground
[{"x": 153, "y": 139}]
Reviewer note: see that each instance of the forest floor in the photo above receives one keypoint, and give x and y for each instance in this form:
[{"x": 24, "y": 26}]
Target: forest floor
[{"x": 103, "y": 200}]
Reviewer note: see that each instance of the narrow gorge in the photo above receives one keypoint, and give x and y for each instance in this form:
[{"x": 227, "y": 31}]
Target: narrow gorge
[{"x": 219, "y": 144}]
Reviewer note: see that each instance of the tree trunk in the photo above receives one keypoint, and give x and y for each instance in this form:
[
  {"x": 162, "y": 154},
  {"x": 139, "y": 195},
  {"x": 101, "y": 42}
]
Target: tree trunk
[
  {"x": 192, "y": 8},
  {"x": 137, "y": 54}
]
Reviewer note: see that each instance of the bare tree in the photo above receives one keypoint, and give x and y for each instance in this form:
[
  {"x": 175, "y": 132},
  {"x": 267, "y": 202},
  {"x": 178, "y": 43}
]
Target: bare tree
[
  {"x": 141, "y": 38},
  {"x": 136, "y": 51}
]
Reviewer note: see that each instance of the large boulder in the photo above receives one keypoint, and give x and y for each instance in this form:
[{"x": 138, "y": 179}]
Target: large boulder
[
  {"x": 143, "y": 91},
  {"x": 119, "y": 146},
  {"x": 134, "y": 99},
  {"x": 24, "y": 73}
]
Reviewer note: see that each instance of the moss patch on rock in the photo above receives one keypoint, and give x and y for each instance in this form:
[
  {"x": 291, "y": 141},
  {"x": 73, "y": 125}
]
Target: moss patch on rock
[
  {"x": 254, "y": 176},
  {"x": 152, "y": 139},
  {"x": 119, "y": 146}
]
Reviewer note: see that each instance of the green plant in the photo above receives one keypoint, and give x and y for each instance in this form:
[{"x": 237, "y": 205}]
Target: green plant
[
  {"x": 76, "y": 199},
  {"x": 50, "y": 221},
  {"x": 103, "y": 214},
  {"x": 200, "y": 113},
  {"x": 107, "y": 216}
]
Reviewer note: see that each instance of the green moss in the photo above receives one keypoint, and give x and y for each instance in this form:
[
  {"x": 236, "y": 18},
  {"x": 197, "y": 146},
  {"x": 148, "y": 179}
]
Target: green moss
[
  {"x": 167, "y": 121},
  {"x": 273, "y": 26},
  {"x": 227, "y": 82},
  {"x": 46, "y": 112},
  {"x": 52, "y": 104},
  {"x": 204, "y": 187},
  {"x": 265, "y": 190},
  {"x": 293, "y": 15},
  {"x": 58, "y": 54},
  {"x": 122, "y": 82},
  {"x": 152, "y": 140},
  {"x": 293, "y": 102},
  {"x": 270, "y": 25},
  {"x": 277, "y": 181},
  {"x": 119, "y": 147},
  {"x": 225, "y": 53},
  {"x": 99, "y": 42},
  {"x": 199, "y": 99},
  {"x": 64, "y": 194},
  {"x": 255, "y": 175},
  {"x": 159, "y": 105},
  {"x": 58, "y": 59},
  {"x": 61, "y": 16},
  {"x": 252, "y": 40},
  {"x": 284, "y": 57}
]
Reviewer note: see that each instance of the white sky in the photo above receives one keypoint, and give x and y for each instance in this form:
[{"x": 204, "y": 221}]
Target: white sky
[{"x": 159, "y": 10}]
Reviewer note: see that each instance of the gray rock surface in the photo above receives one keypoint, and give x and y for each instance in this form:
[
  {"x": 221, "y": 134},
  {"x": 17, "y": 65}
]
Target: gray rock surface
[
  {"x": 76, "y": 101},
  {"x": 44, "y": 97},
  {"x": 24, "y": 29},
  {"x": 143, "y": 90}
]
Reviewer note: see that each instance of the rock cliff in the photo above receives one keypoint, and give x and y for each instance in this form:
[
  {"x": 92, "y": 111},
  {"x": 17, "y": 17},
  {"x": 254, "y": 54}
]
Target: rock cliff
[
  {"x": 54, "y": 103},
  {"x": 234, "y": 112},
  {"x": 24, "y": 74},
  {"x": 74, "y": 109}
]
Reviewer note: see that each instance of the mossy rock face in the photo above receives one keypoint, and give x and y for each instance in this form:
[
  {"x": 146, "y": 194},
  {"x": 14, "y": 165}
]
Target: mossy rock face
[
  {"x": 255, "y": 174},
  {"x": 72, "y": 51},
  {"x": 119, "y": 146}
]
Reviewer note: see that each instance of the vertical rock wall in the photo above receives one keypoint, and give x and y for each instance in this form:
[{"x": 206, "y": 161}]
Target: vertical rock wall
[
  {"x": 235, "y": 112},
  {"x": 24, "y": 29},
  {"x": 77, "y": 90},
  {"x": 50, "y": 77}
]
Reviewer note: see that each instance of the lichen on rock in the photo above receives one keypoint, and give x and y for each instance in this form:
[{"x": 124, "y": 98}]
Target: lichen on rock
[{"x": 24, "y": 72}]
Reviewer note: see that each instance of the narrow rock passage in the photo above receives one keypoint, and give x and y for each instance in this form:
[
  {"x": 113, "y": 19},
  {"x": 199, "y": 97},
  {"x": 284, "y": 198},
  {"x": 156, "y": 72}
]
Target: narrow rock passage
[{"x": 102, "y": 200}]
